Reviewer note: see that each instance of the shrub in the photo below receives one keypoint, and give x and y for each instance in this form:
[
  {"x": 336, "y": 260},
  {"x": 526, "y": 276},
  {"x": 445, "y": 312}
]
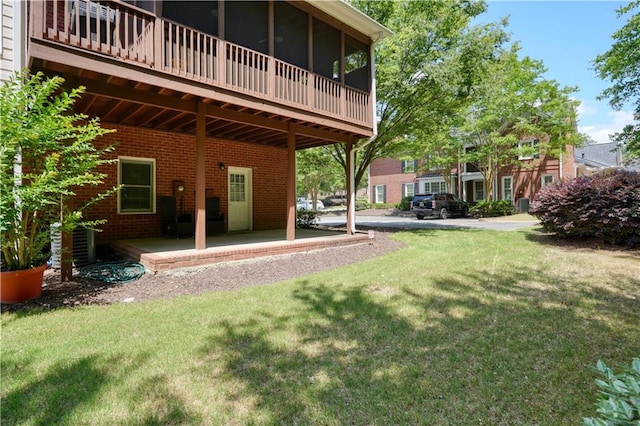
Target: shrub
[
  {"x": 405, "y": 204},
  {"x": 619, "y": 403},
  {"x": 362, "y": 203},
  {"x": 492, "y": 209},
  {"x": 604, "y": 206},
  {"x": 306, "y": 219},
  {"x": 52, "y": 146}
]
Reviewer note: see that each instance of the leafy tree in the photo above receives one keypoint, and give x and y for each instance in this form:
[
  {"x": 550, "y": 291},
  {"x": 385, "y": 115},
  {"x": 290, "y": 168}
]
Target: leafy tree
[
  {"x": 316, "y": 172},
  {"x": 620, "y": 66},
  {"x": 437, "y": 150},
  {"x": 424, "y": 73},
  {"x": 52, "y": 146},
  {"x": 512, "y": 104}
]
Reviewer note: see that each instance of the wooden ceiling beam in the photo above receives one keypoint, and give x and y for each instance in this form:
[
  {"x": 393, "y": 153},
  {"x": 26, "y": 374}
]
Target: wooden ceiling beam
[{"x": 176, "y": 104}]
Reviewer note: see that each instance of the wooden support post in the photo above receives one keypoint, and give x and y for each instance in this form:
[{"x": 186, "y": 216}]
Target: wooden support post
[
  {"x": 66, "y": 246},
  {"x": 201, "y": 215},
  {"x": 291, "y": 183}
]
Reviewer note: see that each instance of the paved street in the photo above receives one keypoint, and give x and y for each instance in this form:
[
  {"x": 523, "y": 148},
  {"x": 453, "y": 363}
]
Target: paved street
[{"x": 410, "y": 222}]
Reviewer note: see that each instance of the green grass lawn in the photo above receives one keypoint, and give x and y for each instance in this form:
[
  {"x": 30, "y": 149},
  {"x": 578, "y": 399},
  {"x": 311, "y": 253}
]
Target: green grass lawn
[{"x": 460, "y": 327}]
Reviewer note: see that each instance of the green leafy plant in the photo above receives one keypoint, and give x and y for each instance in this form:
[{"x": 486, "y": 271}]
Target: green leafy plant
[
  {"x": 362, "y": 203},
  {"x": 619, "y": 403},
  {"x": 492, "y": 209},
  {"x": 306, "y": 219},
  {"x": 46, "y": 154},
  {"x": 405, "y": 203}
]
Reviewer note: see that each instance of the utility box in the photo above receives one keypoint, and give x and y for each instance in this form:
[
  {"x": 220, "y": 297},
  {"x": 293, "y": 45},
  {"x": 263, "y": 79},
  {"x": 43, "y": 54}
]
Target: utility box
[
  {"x": 523, "y": 205},
  {"x": 84, "y": 248}
]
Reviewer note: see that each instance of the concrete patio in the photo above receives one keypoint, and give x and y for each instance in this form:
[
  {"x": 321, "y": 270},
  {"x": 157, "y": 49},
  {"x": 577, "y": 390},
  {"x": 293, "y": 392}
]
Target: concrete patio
[{"x": 161, "y": 254}]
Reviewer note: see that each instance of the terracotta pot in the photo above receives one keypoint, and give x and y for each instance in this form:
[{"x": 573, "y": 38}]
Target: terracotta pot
[{"x": 20, "y": 286}]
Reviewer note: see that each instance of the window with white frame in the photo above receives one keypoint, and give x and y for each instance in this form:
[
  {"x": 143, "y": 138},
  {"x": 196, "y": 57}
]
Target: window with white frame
[
  {"x": 434, "y": 187},
  {"x": 528, "y": 149},
  {"x": 379, "y": 193},
  {"x": 137, "y": 178},
  {"x": 547, "y": 179},
  {"x": 409, "y": 166},
  {"x": 507, "y": 188},
  {"x": 407, "y": 189},
  {"x": 478, "y": 190}
]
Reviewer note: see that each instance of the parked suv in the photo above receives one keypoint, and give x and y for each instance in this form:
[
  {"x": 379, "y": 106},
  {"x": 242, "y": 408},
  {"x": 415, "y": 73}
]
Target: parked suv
[
  {"x": 335, "y": 200},
  {"x": 440, "y": 205}
]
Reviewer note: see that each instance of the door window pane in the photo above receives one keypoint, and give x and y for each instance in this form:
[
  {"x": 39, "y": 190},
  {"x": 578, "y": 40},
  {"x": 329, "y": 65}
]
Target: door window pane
[{"x": 237, "y": 187}]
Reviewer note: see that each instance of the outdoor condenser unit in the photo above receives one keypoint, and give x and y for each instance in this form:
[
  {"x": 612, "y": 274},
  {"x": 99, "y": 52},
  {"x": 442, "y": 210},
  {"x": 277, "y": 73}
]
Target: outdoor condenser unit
[{"x": 84, "y": 248}]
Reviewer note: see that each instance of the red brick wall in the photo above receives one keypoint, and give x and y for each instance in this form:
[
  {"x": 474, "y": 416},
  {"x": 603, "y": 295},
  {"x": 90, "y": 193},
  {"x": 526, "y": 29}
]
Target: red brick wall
[
  {"x": 387, "y": 171},
  {"x": 175, "y": 160},
  {"x": 528, "y": 181}
]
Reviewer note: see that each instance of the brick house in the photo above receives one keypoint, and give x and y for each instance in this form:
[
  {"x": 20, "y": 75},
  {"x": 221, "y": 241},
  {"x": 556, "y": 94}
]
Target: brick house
[
  {"x": 391, "y": 179},
  {"x": 210, "y": 99}
]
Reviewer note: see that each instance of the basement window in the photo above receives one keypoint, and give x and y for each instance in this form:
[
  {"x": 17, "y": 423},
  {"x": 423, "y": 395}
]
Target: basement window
[{"x": 137, "y": 178}]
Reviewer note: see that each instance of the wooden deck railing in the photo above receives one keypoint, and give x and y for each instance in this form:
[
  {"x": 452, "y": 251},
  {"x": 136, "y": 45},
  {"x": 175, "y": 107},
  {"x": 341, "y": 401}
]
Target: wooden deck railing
[{"x": 134, "y": 35}]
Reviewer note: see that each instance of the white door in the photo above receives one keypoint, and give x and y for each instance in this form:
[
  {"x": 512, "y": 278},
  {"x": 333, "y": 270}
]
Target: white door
[{"x": 240, "y": 196}]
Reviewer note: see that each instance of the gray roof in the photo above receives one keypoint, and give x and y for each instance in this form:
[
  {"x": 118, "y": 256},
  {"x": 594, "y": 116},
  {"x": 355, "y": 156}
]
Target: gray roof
[
  {"x": 599, "y": 155},
  {"x": 603, "y": 155}
]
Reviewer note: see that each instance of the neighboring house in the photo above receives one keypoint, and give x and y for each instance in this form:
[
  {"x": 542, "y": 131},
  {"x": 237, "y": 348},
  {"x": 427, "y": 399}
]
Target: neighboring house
[
  {"x": 594, "y": 158},
  {"x": 391, "y": 179},
  {"x": 209, "y": 99}
]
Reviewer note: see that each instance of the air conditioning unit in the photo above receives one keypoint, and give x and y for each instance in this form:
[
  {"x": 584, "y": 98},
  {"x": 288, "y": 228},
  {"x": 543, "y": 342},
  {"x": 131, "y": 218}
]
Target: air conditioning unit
[{"x": 84, "y": 247}]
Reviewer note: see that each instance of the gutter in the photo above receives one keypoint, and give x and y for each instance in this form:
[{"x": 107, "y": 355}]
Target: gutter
[{"x": 351, "y": 225}]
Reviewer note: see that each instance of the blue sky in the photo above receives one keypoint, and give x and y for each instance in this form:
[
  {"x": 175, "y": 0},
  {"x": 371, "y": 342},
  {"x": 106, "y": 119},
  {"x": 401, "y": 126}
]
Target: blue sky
[{"x": 567, "y": 36}]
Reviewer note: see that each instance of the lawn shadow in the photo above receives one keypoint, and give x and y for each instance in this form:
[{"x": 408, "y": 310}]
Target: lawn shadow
[
  {"x": 376, "y": 355},
  {"x": 540, "y": 236},
  {"x": 53, "y": 397},
  {"x": 60, "y": 393}
]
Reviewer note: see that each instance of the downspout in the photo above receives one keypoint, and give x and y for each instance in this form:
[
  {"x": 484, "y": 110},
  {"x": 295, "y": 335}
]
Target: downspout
[
  {"x": 20, "y": 38},
  {"x": 352, "y": 175}
]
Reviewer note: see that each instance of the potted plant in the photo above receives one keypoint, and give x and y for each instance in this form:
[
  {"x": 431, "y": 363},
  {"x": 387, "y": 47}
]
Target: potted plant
[{"x": 45, "y": 154}]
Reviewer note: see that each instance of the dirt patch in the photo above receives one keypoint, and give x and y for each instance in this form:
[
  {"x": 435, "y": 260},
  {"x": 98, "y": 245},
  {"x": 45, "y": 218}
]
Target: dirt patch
[{"x": 218, "y": 277}]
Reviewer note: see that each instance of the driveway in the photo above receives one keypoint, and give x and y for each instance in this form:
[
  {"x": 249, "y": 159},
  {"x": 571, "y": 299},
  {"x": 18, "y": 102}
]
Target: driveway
[{"x": 392, "y": 219}]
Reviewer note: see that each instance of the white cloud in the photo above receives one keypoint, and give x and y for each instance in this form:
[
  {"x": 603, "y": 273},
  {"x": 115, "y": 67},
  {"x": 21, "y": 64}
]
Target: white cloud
[
  {"x": 600, "y": 125},
  {"x": 586, "y": 109}
]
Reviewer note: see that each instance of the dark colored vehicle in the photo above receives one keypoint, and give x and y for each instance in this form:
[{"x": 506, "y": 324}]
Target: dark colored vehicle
[
  {"x": 440, "y": 205},
  {"x": 335, "y": 200}
]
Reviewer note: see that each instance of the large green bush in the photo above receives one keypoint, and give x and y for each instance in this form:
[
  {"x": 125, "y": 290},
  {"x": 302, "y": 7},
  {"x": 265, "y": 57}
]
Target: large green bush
[{"x": 604, "y": 206}]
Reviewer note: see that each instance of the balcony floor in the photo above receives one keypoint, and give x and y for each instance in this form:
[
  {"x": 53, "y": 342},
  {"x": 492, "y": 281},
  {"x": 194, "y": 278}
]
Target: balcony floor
[{"x": 161, "y": 254}]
